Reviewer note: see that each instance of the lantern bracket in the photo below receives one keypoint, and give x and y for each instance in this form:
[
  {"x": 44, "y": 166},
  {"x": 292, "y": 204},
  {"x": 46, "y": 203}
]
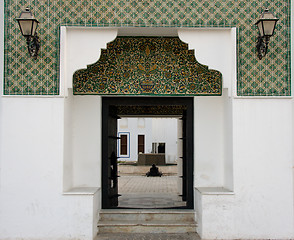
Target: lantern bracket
[
  {"x": 262, "y": 46},
  {"x": 33, "y": 44}
]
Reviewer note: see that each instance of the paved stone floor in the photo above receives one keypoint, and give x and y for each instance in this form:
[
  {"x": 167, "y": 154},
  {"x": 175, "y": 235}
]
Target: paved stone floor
[
  {"x": 149, "y": 192},
  {"x": 147, "y": 236},
  {"x": 143, "y": 184}
]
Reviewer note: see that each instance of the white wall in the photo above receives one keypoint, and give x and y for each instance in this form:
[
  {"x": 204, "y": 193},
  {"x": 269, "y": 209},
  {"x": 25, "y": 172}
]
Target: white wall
[
  {"x": 80, "y": 46},
  {"x": 86, "y": 148},
  {"x": 261, "y": 205},
  {"x": 228, "y": 180},
  {"x": 216, "y": 48},
  {"x": 209, "y": 141},
  {"x": 1, "y": 69},
  {"x": 68, "y": 164},
  {"x": 248, "y": 144},
  {"x": 165, "y": 130},
  {"x": 263, "y": 167},
  {"x": 292, "y": 77},
  {"x": 135, "y": 127},
  {"x": 32, "y": 205},
  {"x": 155, "y": 130}
]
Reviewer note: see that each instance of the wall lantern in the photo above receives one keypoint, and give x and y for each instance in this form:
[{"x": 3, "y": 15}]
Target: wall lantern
[
  {"x": 266, "y": 26},
  {"x": 28, "y": 26}
]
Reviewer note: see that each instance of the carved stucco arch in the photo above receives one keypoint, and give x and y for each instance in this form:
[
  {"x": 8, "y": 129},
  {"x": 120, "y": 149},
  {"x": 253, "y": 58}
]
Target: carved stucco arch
[{"x": 147, "y": 66}]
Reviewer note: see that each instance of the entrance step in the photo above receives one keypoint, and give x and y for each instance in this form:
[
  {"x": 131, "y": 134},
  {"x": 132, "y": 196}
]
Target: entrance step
[
  {"x": 147, "y": 236},
  {"x": 147, "y": 221}
]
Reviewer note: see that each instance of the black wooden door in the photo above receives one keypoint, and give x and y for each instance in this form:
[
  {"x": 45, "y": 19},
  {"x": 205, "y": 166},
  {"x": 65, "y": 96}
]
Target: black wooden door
[
  {"x": 109, "y": 179},
  {"x": 184, "y": 156}
]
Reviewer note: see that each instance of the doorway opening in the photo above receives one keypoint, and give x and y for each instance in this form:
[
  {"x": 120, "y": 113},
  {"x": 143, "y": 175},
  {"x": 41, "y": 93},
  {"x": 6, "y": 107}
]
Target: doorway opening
[
  {"x": 127, "y": 156},
  {"x": 149, "y": 163}
]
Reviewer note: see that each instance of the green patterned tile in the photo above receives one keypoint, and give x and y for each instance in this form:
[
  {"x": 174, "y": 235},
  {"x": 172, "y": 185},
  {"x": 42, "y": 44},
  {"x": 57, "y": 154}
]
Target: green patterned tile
[
  {"x": 204, "y": 13},
  {"x": 153, "y": 66}
]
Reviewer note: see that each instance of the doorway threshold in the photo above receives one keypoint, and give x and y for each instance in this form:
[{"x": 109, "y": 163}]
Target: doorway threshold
[{"x": 151, "y": 201}]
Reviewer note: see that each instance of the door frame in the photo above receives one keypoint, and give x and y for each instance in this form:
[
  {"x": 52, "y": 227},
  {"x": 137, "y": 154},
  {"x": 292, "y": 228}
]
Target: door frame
[{"x": 187, "y": 102}]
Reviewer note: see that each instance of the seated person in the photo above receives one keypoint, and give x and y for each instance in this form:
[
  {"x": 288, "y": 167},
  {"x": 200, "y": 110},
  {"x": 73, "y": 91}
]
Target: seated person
[{"x": 154, "y": 171}]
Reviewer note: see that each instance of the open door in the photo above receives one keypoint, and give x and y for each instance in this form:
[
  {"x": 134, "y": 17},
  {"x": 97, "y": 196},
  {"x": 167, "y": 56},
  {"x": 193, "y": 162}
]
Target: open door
[
  {"x": 184, "y": 156},
  {"x": 109, "y": 144}
]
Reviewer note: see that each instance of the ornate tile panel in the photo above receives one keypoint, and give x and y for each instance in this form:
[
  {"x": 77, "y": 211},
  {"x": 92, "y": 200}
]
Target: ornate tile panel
[
  {"x": 151, "y": 110},
  {"x": 154, "y": 66},
  {"x": 268, "y": 77}
]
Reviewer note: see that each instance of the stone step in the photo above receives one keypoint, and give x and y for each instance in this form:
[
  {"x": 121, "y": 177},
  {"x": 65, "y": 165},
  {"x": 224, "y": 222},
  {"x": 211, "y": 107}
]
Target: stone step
[
  {"x": 146, "y": 227},
  {"x": 147, "y": 221},
  {"x": 147, "y": 236},
  {"x": 147, "y": 215}
]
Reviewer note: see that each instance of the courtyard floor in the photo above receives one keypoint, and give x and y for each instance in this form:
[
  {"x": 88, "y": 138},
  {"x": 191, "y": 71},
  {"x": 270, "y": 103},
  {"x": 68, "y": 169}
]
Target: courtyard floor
[{"x": 149, "y": 192}]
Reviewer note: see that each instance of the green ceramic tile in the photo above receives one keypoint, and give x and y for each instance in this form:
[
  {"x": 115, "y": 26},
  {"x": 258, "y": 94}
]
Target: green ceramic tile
[{"x": 274, "y": 69}]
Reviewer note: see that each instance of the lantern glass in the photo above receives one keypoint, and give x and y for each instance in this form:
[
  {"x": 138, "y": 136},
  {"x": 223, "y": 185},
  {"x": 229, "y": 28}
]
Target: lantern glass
[
  {"x": 25, "y": 27},
  {"x": 266, "y": 24},
  {"x": 269, "y": 27},
  {"x": 27, "y": 23}
]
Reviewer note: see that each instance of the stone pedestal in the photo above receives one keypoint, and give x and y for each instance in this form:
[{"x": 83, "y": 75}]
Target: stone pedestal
[{"x": 151, "y": 158}]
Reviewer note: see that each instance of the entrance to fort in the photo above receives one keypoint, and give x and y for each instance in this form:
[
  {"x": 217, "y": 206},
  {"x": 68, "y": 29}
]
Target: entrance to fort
[
  {"x": 149, "y": 70},
  {"x": 113, "y": 108}
]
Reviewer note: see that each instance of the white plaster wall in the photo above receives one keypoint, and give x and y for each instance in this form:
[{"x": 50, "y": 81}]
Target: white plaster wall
[
  {"x": 32, "y": 205},
  {"x": 165, "y": 130},
  {"x": 155, "y": 130},
  {"x": 261, "y": 205},
  {"x": 263, "y": 168},
  {"x": 86, "y": 141},
  {"x": 34, "y": 135},
  {"x": 215, "y": 215},
  {"x": 209, "y": 145},
  {"x": 216, "y": 48},
  {"x": 68, "y": 164},
  {"x": 1, "y": 70},
  {"x": 137, "y": 126},
  {"x": 228, "y": 141},
  {"x": 82, "y": 142},
  {"x": 292, "y": 87},
  {"x": 80, "y": 46}
]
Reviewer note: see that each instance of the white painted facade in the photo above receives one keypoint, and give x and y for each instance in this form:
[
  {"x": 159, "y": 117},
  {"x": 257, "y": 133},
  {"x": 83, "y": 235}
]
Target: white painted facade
[
  {"x": 132, "y": 127},
  {"x": 50, "y": 162},
  {"x": 155, "y": 130}
]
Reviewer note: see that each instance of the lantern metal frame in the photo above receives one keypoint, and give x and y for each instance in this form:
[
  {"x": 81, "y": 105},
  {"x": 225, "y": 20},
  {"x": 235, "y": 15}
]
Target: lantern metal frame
[
  {"x": 33, "y": 42},
  {"x": 264, "y": 37}
]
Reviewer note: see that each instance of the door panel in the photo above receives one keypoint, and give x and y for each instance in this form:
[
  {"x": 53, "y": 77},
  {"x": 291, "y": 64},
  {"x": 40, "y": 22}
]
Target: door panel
[
  {"x": 109, "y": 179},
  {"x": 184, "y": 156}
]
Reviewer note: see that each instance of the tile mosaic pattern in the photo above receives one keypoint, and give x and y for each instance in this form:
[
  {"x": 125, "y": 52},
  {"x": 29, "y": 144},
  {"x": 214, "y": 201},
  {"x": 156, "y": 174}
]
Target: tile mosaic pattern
[
  {"x": 268, "y": 77},
  {"x": 151, "y": 110},
  {"x": 151, "y": 66}
]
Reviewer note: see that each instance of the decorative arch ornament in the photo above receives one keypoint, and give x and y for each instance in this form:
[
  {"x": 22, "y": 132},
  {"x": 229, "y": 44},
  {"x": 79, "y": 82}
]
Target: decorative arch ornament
[{"x": 147, "y": 66}]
